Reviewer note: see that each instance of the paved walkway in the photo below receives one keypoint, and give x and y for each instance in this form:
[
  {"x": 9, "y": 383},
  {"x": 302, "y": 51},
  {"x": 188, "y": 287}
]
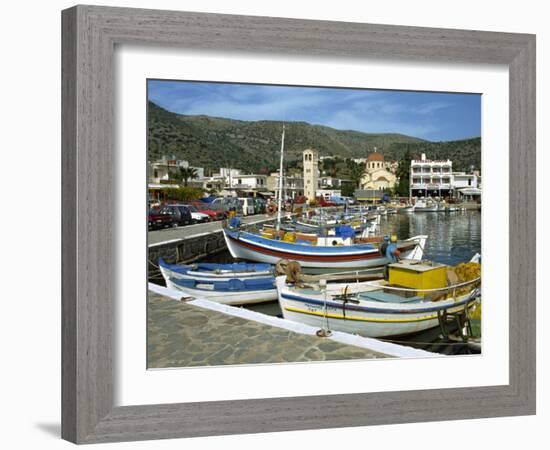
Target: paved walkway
[{"x": 183, "y": 335}]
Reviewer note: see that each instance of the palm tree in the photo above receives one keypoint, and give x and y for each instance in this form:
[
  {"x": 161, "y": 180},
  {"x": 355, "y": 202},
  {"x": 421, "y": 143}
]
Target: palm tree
[{"x": 186, "y": 173}]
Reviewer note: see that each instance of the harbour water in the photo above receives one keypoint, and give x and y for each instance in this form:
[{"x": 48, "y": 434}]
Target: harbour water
[{"x": 453, "y": 238}]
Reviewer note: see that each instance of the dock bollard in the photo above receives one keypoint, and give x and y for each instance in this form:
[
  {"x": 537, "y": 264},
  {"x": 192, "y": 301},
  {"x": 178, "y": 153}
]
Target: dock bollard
[{"x": 324, "y": 332}]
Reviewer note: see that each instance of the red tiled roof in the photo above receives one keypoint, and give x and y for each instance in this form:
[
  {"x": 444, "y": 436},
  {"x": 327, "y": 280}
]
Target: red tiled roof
[{"x": 375, "y": 157}]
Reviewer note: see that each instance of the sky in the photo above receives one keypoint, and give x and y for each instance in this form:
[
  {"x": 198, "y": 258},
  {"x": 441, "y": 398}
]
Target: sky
[{"x": 426, "y": 115}]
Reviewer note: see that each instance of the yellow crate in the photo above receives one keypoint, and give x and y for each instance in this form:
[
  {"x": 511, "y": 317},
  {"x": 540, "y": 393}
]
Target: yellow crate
[{"x": 418, "y": 276}]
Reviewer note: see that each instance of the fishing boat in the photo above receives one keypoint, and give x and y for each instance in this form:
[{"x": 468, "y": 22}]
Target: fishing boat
[
  {"x": 428, "y": 206},
  {"x": 210, "y": 272},
  {"x": 407, "y": 209},
  {"x": 316, "y": 254},
  {"x": 231, "y": 292},
  {"x": 363, "y": 225},
  {"x": 230, "y": 284},
  {"x": 375, "y": 308}
]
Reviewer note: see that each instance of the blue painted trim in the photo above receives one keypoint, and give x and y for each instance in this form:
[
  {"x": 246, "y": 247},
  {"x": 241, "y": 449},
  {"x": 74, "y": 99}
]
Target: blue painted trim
[
  {"x": 352, "y": 307},
  {"x": 233, "y": 285},
  {"x": 302, "y": 248},
  {"x": 211, "y": 267}
]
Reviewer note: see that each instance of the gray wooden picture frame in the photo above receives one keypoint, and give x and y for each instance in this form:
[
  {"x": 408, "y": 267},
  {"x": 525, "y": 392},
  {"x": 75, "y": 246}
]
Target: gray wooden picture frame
[{"x": 90, "y": 34}]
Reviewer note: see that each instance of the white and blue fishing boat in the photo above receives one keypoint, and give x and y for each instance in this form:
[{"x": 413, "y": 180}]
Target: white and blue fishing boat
[
  {"x": 317, "y": 254},
  {"x": 230, "y": 284},
  {"x": 210, "y": 272},
  {"x": 376, "y": 308}
]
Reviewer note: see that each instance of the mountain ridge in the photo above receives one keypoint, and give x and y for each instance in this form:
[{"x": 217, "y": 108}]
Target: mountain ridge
[{"x": 253, "y": 146}]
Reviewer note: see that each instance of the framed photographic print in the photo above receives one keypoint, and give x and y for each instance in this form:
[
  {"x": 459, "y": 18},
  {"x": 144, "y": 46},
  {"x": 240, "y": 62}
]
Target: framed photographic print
[{"x": 266, "y": 222}]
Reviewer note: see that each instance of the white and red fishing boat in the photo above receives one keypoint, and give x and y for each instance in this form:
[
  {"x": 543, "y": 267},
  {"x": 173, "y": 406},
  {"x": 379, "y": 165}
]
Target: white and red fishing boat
[{"x": 316, "y": 253}]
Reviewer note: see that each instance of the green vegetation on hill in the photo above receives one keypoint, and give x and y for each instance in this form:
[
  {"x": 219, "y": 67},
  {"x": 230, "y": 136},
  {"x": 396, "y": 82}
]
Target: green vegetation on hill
[{"x": 212, "y": 142}]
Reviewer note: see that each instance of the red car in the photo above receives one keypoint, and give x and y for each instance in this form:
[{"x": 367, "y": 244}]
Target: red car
[
  {"x": 323, "y": 202},
  {"x": 159, "y": 219},
  {"x": 203, "y": 208}
]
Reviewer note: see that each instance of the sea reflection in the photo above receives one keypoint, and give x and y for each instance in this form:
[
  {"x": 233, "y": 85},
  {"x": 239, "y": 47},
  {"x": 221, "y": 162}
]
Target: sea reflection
[{"x": 452, "y": 237}]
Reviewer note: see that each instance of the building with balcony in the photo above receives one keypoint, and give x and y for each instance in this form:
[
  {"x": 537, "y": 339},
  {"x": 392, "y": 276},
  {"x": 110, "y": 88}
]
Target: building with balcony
[
  {"x": 293, "y": 185},
  {"x": 431, "y": 177}
]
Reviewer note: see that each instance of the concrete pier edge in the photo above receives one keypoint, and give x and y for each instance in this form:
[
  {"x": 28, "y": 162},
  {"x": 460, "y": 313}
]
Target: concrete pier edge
[{"x": 387, "y": 348}]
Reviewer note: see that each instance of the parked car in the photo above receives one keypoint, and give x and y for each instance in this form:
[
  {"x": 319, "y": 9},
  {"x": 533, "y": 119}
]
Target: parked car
[
  {"x": 205, "y": 209},
  {"x": 196, "y": 215},
  {"x": 159, "y": 218},
  {"x": 226, "y": 204},
  {"x": 259, "y": 205},
  {"x": 180, "y": 214},
  {"x": 300, "y": 200},
  {"x": 323, "y": 202}
]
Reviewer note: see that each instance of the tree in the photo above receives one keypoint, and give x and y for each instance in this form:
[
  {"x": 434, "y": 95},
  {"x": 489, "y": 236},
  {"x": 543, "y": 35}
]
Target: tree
[
  {"x": 186, "y": 173},
  {"x": 355, "y": 171},
  {"x": 347, "y": 189},
  {"x": 184, "y": 194},
  {"x": 403, "y": 174},
  {"x": 330, "y": 167}
]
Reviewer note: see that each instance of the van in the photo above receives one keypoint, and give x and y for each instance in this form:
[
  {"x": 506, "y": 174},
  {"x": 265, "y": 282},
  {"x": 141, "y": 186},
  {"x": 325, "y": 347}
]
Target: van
[
  {"x": 247, "y": 205},
  {"x": 226, "y": 204}
]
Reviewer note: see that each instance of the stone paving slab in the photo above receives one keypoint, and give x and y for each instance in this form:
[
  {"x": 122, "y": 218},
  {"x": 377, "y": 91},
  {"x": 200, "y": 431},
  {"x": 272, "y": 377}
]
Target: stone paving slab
[{"x": 183, "y": 335}]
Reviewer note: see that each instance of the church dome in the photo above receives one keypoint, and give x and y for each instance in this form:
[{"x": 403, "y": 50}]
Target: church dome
[{"x": 375, "y": 157}]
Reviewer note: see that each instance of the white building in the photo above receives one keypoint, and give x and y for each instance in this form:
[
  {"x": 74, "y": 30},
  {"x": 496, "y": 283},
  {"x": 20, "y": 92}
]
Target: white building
[
  {"x": 166, "y": 169},
  {"x": 328, "y": 193},
  {"x": 437, "y": 179},
  {"x": 431, "y": 178},
  {"x": 252, "y": 181},
  {"x": 293, "y": 186},
  {"x": 311, "y": 173},
  {"x": 332, "y": 183},
  {"x": 228, "y": 174},
  {"x": 464, "y": 180},
  {"x": 216, "y": 183}
]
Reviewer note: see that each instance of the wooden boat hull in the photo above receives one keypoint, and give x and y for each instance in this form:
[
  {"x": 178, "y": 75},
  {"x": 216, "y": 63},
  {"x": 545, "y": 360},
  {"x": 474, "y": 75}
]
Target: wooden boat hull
[
  {"x": 243, "y": 245},
  {"x": 226, "y": 298},
  {"x": 184, "y": 272},
  {"x": 367, "y": 318}
]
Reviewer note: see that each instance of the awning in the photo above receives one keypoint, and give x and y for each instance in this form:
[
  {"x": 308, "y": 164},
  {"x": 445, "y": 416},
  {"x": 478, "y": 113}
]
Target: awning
[{"x": 470, "y": 191}]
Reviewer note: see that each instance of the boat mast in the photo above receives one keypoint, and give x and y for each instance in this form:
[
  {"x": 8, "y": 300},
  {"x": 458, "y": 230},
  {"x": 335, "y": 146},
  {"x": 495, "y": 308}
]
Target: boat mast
[{"x": 280, "y": 199}]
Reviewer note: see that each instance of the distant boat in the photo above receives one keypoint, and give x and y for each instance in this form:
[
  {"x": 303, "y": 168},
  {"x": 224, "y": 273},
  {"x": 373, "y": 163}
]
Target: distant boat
[
  {"x": 363, "y": 225},
  {"x": 230, "y": 284},
  {"x": 422, "y": 206}
]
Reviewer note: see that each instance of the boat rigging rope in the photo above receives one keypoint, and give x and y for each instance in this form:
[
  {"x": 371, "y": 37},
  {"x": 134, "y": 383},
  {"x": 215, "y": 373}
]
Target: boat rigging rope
[{"x": 454, "y": 286}]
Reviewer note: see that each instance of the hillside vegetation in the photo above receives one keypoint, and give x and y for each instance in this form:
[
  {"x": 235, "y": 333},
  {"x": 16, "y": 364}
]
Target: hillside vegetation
[{"x": 213, "y": 142}]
